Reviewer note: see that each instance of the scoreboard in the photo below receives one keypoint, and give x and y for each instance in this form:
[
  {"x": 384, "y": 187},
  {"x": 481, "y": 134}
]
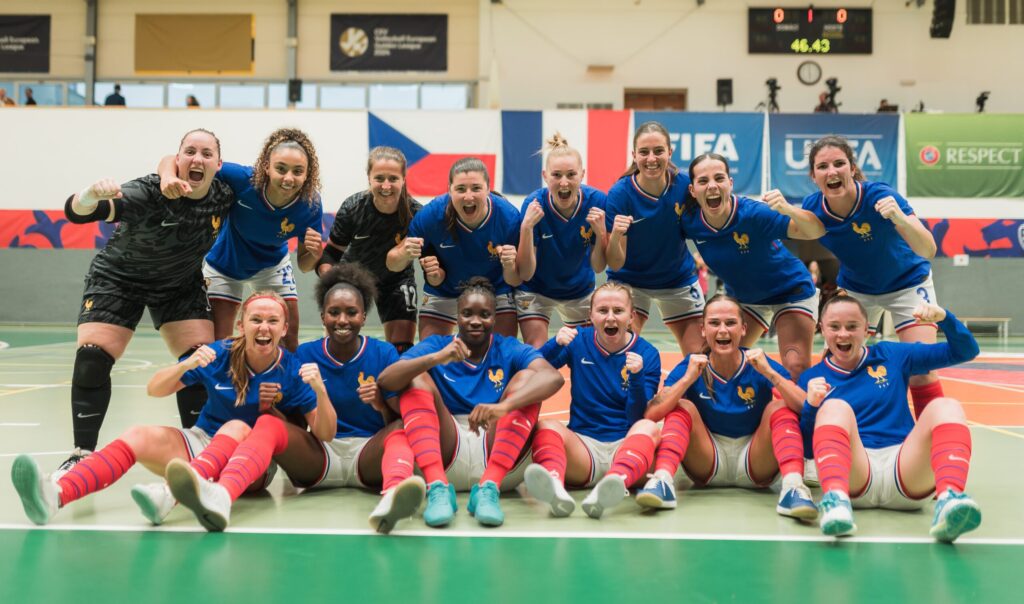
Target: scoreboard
[{"x": 809, "y": 30}]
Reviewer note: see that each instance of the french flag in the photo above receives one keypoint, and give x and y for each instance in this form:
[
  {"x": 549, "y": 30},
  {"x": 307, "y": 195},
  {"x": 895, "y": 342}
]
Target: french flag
[{"x": 601, "y": 136}]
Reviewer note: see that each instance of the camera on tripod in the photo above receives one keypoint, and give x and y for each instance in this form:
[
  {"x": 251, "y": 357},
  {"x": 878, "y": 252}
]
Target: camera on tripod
[
  {"x": 773, "y": 85},
  {"x": 833, "y": 85}
]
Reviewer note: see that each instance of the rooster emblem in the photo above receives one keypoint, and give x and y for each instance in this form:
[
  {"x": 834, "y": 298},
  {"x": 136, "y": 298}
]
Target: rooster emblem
[
  {"x": 493, "y": 251},
  {"x": 625, "y": 378},
  {"x": 679, "y": 209},
  {"x": 215, "y": 222},
  {"x": 87, "y": 305},
  {"x": 879, "y": 374},
  {"x": 586, "y": 234},
  {"x": 742, "y": 240},
  {"x": 863, "y": 229},
  {"x": 365, "y": 380},
  {"x": 286, "y": 228},
  {"x": 747, "y": 394},
  {"x": 497, "y": 376}
]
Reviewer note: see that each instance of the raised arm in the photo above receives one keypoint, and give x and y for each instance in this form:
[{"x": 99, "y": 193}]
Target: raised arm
[
  {"x": 526, "y": 260},
  {"x": 323, "y": 420},
  {"x": 668, "y": 398},
  {"x": 167, "y": 381},
  {"x": 792, "y": 394},
  {"x": 398, "y": 375},
  {"x": 598, "y": 260},
  {"x": 802, "y": 224},
  {"x": 615, "y": 253},
  {"x": 96, "y": 202},
  {"x": 910, "y": 228}
]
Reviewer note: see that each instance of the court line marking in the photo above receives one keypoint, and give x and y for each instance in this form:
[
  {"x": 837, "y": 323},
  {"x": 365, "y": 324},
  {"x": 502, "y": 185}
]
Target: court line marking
[
  {"x": 506, "y": 534},
  {"x": 18, "y": 424},
  {"x": 995, "y": 429},
  {"x": 1010, "y": 387}
]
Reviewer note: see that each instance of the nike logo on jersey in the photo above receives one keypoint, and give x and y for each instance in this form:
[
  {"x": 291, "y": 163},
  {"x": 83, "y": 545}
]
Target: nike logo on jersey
[
  {"x": 361, "y": 237},
  {"x": 586, "y": 362},
  {"x": 639, "y": 220},
  {"x": 221, "y": 387},
  {"x": 445, "y": 376},
  {"x": 447, "y": 247},
  {"x": 164, "y": 223},
  {"x": 546, "y": 236},
  {"x": 195, "y": 412},
  {"x": 243, "y": 205},
  {"x": 87, "y": 415},
  {"x": 705, "y": 397},
  {"x": 699, "y": 241},
  {"x": 957, "y": 458}
]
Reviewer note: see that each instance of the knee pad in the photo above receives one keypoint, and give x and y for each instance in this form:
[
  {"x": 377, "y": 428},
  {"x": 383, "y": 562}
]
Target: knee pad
[{"x": 92, "y": 367}]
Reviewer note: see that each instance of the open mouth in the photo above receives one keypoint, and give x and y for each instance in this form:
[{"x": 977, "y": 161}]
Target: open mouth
[
  {"x": 713, "y": 201},
  {"x": 263, "y": 340},
  {"x": 564, "y": 194},
  {"x": 834, "y": 184},
  {"x": 342, "y": 331},
  {"x": 611, "y": 330},
  {"x": 469, "y": 209},
  {"x": 844, "y": 347},
  {"x": 195, "y": 176}
]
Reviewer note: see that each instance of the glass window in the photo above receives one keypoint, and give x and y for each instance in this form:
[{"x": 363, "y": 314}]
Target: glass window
[
  {"x": 178, "y": 93},
  {"x": 241, "y": 96},
  {"x": 342, "y": 97},
  {"x": 277, "y": 96},
  {"x": 135, "y": 95},
  {"x": 394, "y": 96},
  {"x": 76, "y": 93},
  {"x": 8, "y": 89},
  {"x": 444, "y": 96}
]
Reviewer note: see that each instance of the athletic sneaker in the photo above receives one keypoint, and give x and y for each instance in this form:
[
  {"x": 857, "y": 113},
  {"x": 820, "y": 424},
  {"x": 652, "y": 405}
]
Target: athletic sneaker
[
  {"x": 77, "y": 455},
  {"x": 609, "y": 491},
  {"x": 400, "y": 501},
  {"x": 955, "y": 514},
  {"x": 154, "y": 500},
  {"x": 796, "y": 502},
  {"x": 837, "y": 514},
  {"x": 441, "y": 504},
  {"x": 209, "y": 501},
  {"x": 659, "y": 493},
  {"x": 483, "y": 503},
  {"x": 544, "y": 487},
  {"x": 39, "y": 494}
]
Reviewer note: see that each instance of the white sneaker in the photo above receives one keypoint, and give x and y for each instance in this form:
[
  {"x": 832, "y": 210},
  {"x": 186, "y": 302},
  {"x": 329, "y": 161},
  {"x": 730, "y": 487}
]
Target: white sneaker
[
  {"x": 39, "y": 494},
  {"x": 544, "y": 487},
  {"x": 837, "y": 515},
  {"x": 609, "y": 491},
  {"x": 76, "y": 456},
  {"x": 209, "y": 501},
  {"x": 399, "y": 502},
  {"x": 154, "y": 500}
]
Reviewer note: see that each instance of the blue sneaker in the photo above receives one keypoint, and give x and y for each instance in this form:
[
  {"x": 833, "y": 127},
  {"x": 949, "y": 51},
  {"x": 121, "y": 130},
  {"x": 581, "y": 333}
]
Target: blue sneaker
[
  {"x": 441, "y": 504},
  {"x": 837, "y": 514},
  {"x": 659, "y": 493},
  {"x": 796, "y": 502},
  {"x": 955, "y": 514},
  {"x": 483, "y": 503}
]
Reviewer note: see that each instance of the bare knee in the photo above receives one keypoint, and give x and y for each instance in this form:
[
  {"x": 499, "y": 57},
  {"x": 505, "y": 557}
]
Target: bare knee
[
  {"x": 774, "y": 406},
  {"x": 551, "y": 424},
  {"x": 835, "y": 411},
  {"x": 236, "y": 429},
  {"x": 944, "y": 410},
  {"x": 688, "y": 407},
  {"x": 646, "y": 427},
  {"x": 137, "y": 437}
]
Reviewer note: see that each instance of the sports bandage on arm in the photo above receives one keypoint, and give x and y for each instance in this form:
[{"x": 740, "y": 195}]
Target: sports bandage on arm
[{"x": 104, "y": 209}]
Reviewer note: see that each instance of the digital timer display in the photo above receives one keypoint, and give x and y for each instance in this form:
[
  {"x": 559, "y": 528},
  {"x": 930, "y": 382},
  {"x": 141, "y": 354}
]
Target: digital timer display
[{"x": 808, "y": 30}]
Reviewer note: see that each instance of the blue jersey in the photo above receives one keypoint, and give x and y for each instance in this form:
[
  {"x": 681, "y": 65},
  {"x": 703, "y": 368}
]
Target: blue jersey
[
  {"x": 736, "y": 403},
  {"x": 563, "y": 246},
  {"x": 475, "y": 252},
  {"x": 606, "y": 398},
  {"x": 747, "y": 255},
  {"x": 256, "y": 236},
  {"x": 656, "y": 256},
  {"x": 296, "y": 395},
  {"x": 464, "y": 385},
  {"x": 876, "y": 389},
  {"x": 873, "y": 258},
  {"x": 355, "y": 418}
]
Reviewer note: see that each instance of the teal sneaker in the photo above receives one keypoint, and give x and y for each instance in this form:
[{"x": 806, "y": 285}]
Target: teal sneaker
[
  {"x": 441, "y": 504},
  {"x": 483, "y": 503},
  {"x": 39, "y": 495},
  {"x": 955, "y": 514},
  {"x": 837, "y": 514}
]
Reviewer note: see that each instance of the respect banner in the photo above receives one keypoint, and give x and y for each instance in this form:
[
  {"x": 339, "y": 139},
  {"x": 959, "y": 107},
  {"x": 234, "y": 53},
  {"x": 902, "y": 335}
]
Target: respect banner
[{"x": 974, "y": 155}]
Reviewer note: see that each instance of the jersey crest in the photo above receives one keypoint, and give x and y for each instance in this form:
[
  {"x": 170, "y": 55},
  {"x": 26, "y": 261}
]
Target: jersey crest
[
  {"x": 625, "y": 378},
  {"x": 863, "y": 229},
  {"x": 587, "y": 235},
  {"x": 364, "y": 380},
  {"x": 747, "y": 394},
  {"x": 215, "y": 223},
  {"x": 879, "y": 372},
  {"x": 497, "y": 377},
  {"x": 286, "y": 228},
  {"x": 492, "y": 250},
  {"x": 87, "y": 306},
  {"x": 679, "y": 209},
  {"x": 743, "y": 241}
]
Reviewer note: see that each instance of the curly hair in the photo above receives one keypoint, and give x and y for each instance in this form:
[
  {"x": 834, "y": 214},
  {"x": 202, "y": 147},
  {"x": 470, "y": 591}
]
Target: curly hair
[
  {"x": 477, "y": 285},
  {"x": 347, "y": 276},
  {"x": 289, "y": 138}
]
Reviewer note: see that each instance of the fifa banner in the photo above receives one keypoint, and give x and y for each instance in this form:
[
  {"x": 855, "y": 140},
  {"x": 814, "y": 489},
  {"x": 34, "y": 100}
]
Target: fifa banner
[
  {"x": 736, "y": 136},
  {"x": 965, "y": 155},
  {"x": 389, "y": 42},
  {"x": 874, "y": 138},
  {"x": 24, "y": 44}
]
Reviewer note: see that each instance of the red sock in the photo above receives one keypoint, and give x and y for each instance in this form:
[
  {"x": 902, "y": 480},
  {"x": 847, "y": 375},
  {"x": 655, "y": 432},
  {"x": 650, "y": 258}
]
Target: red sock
[
  {"x": 251, "y": 459},
  {"x": 423, "y": 430},
  {"x": 832, "y": 456},
  {"x": 211, "y": 461},
  {"x": 549, "y": 451},
  {"x": 97, "y": 471},
  {"x": 509, "y": 439},
  {"x": 951, "y": 456},
  {"x": 787, "y": 443},
  {"x": 633, "y": 458},
  {"x": 675, "y": 440},
  {"x": 396, "y": 464},
  {"x": 925, "y": 394}
]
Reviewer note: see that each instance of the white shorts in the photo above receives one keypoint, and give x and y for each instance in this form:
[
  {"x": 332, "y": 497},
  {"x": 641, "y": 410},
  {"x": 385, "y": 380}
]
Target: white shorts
[
  {"x": 676, "y": 304},
  {"x": 276, "y": 279},
  {"x": 732, "y": 465},
  {"x": 601, "y": 455},
  {"x": 341, "y": 463},
  {"x": 900, "y": 304},
  {"x": 196, "y": 439},
  {"x": 470, "y": 460},
  {"x": 531, "y": 305},
  {"x": 446, "y": 309},
  {"x": 765, "y": 314},
  {"x": 884, "y": 489}
]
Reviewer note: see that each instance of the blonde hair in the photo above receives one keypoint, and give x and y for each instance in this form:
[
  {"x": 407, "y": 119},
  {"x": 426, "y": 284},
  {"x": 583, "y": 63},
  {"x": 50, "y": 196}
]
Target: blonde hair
[
  {"x": 614, "y": 286},
  {"x": 558, "y": 146},
  {"x": 709, "y": 379},
  {"x": 238, "y": 370}
]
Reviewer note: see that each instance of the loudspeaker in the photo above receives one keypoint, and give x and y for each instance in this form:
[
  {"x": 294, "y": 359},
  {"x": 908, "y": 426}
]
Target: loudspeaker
[
  {"x": 942, "y": 18},
  {"x": 294, "y": 91},
  {"x": 724, "y": 92}
]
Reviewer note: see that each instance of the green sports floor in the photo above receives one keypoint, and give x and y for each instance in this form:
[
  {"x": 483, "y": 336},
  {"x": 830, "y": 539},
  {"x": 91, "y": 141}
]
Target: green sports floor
[{"x": 723, "y": 545}]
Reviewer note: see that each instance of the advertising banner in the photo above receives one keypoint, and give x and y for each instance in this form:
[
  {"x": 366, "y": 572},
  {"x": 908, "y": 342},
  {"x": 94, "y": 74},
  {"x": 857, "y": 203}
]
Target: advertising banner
[
  {"x": 25, "y": 43},
  {"x": 389, "y": 42}
]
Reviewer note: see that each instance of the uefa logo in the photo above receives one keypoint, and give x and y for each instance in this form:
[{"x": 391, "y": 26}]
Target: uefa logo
[
  {"x": 930, "y": 155},
  {"x": 354, "y": 42}
]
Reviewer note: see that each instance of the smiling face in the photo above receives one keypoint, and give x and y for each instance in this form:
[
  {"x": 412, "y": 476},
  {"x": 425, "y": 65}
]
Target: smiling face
[
  {"x": 386, "y": 181},
  {"x": 469, "y": 197},
  {"x": 723, "y": 327},
  {"x": 263, "y": 324},
  {"x": 476, "y": 319},
  {"x": 845, "y": 329},
  {"x": 652, "y": 153},
  {"x": 611, "y": 312},
  {"x": 832, "y": 170},
  {"x": 343, "y": 315},
  {"x": 563, "y": 177},
  {"x": 197, "y": 162},
  {"x": 287, "y": 173},
  {"x": 712, "y": 188}
]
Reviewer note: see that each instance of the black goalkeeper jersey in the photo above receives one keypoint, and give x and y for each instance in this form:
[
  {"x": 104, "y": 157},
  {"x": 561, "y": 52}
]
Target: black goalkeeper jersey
[{"x": 368, "y": 235}]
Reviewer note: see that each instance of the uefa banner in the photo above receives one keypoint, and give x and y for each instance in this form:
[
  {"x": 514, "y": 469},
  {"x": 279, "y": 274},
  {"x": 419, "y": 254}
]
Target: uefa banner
[
  {"x": 972, "y": 155},
  {"x": 24, "y": 44},
  {"x": 874, "y": 138},
  {"x": 736, "y": 136},
  {"x": 389, "y": 42}
]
